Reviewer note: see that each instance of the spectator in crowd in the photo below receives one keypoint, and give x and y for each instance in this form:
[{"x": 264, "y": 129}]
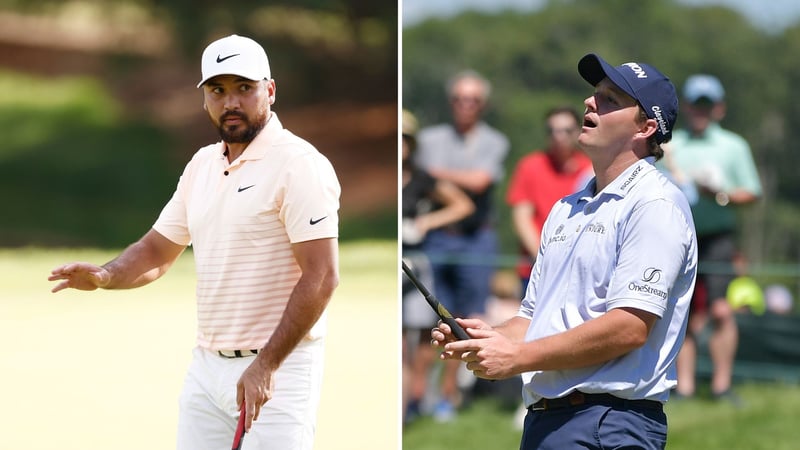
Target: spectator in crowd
[
  {"x": 542, "y": 178},
  {"x": 720, "y": 165},
  {"x": 468, "y": 153},
  {"x": 427, "y": 203}
]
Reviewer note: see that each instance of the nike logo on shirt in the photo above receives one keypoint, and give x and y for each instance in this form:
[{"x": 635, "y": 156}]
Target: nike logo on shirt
[
  {"x": 220, "y": 59},
  {"x": 245, "y": 188},
  {"x": 314, "y": 222}
]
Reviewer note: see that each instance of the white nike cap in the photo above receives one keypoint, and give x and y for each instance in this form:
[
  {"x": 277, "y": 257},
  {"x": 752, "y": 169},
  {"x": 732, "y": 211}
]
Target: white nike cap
[{"x": 235, "y": 55}]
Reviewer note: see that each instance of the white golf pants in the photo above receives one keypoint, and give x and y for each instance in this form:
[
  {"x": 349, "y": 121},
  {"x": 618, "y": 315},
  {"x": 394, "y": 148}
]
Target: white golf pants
[{"x": 208, "y": 413}]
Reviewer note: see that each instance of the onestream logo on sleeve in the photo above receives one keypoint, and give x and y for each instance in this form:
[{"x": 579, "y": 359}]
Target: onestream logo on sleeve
[{"x": 651, "y": 275}]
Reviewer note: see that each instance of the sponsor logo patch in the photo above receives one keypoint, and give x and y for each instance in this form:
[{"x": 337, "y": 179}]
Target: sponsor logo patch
[{"x": 650, "y": 275}]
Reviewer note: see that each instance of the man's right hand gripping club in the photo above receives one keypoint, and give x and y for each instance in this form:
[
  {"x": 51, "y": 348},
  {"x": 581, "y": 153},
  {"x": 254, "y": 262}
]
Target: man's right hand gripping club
[{"x": 255, "y": 388}]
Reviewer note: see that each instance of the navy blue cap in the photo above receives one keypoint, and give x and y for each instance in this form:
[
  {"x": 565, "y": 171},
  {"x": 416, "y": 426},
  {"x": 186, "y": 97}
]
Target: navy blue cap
[{"x": 652, "y": 89}]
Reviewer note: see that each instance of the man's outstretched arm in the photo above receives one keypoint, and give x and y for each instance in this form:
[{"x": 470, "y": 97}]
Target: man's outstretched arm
[{"x": 141, "y": 263}]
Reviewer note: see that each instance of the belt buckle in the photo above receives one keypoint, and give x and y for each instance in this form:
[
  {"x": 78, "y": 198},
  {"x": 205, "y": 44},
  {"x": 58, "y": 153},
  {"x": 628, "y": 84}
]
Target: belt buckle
[
  {"x": 236, "y": 353},
  {"x": 576, "y": 398},
  {"x": 542, "y": 405}
]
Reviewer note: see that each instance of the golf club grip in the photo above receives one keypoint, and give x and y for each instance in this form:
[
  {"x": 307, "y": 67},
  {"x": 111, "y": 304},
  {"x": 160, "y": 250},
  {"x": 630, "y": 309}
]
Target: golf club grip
[
  {"x": 458, "y": 332},
  {"x": 437, "y": 306},
  {"x": 238, "y": 437}
]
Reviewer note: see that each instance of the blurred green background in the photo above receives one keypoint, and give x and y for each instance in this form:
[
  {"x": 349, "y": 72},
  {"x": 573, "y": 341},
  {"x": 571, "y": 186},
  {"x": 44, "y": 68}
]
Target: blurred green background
[
  {"x": 529, "y": 50},
  {"x": 531, "y": 59},
  {"x": 100, "y": 112}
]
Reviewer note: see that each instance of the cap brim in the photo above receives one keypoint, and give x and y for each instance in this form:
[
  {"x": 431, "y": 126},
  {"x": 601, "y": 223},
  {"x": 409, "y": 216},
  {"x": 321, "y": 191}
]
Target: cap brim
[
  {"x": 594, "y": 68},
  {"x": 243, "y": 75},
  {"x": 702, "y": 100}
]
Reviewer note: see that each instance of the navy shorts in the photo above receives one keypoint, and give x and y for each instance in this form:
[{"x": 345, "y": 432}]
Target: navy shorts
[{"x": 595, "y": 426}]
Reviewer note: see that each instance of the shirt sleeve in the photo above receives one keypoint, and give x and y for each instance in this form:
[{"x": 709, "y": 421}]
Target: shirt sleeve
[
  {"x": 745, "y": 173},
  {"x": 172, "y": 223},
  {"x": 311, "y": 201},
  {"x": 654, "y": 245}
]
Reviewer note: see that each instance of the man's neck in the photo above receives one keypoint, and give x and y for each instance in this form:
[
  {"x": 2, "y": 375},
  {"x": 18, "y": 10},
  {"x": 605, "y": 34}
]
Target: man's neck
[
  {"x": 700, "y": 132},
  {"x": 234, "y": 151},
  {"x": 562, "y": 159},
  {"x": 605, "y": 174},
  {"x": 465, "y": 128}
]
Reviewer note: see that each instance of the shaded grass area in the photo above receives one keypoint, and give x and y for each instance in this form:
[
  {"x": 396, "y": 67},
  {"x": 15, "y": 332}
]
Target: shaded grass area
[{"x": 766, "y": 421}]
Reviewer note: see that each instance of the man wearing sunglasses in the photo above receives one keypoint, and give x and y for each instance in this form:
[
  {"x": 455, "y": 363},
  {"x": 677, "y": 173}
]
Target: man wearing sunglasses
[{"x": 468, "y": 153}]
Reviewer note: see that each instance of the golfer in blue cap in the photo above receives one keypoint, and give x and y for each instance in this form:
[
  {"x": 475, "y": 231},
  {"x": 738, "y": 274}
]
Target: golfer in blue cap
[{"x": 604, "y": 313}]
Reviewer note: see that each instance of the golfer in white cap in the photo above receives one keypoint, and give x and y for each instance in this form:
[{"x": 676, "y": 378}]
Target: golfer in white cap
[{"x": 260, "y": 209}]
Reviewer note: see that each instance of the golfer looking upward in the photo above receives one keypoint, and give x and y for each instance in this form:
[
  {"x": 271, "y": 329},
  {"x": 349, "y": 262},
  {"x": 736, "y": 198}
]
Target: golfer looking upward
[
  {"x": 604, "y": 314},
  {"x": 260, "y": 211}
]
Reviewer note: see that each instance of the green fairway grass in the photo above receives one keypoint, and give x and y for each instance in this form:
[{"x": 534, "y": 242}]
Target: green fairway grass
[
  {"x": 766, "y": 421},
  {"x": 104, "y": 369}
]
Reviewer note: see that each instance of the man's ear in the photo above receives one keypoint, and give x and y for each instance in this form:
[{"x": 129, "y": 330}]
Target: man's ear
[
  {"x": 272, "y": 88},
  {"x": 718, "y": 111},
  {"x": 648, "y": 128}
]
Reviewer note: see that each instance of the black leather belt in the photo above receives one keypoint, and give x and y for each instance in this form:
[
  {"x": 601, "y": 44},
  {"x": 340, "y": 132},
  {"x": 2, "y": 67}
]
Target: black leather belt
[
  {"x": 237, "y": 353},
  {"x": 577, "y": 398}
]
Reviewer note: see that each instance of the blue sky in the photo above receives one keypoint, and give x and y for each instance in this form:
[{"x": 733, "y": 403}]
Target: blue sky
[{"x": 766, "y": 14}]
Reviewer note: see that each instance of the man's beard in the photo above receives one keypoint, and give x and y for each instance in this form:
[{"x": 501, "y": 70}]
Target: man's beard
[{"x": 239, "y": 134}]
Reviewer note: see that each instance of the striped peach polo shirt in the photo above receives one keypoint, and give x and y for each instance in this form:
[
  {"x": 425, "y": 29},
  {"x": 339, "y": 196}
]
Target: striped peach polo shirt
[{"x": 241, "y": 219}]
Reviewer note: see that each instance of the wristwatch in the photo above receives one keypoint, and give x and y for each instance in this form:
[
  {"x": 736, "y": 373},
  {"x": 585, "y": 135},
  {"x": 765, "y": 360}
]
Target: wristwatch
[{"x": 722, "y": 198}]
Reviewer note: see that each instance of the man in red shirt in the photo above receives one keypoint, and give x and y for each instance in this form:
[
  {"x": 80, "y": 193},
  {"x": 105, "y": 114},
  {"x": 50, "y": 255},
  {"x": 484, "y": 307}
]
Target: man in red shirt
[{"x": 544, "y": 177}]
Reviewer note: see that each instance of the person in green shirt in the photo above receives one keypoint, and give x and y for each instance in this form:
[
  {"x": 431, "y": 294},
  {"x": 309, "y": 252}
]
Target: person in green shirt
[{"x": 718, "y": 164}]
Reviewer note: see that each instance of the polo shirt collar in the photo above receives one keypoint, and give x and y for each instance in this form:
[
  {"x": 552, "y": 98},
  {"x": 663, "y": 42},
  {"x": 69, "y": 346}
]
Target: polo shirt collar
[
  {"x": 621, "y": 185},
  {"x": 627, "y": 179}
]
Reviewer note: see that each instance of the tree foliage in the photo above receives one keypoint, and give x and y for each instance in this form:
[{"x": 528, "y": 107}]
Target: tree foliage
[
  {"x": 531, "y": 59},
  {"x": 325, "y": 46},
  {"x": 98, "y": 161}
]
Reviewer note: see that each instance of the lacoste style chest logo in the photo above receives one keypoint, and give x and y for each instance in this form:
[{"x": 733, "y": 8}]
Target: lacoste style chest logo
[
  {"x": 220, "y": 58},
  {"x": 314, "y": 222},
  {"x": 245, "y": 188}
]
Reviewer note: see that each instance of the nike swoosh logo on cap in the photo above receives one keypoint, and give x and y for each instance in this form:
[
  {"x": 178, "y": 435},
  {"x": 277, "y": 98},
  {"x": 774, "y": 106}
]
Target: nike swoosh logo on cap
[
  {"x": 220, "y": 59},
  {"x": 245, "y": 188}
]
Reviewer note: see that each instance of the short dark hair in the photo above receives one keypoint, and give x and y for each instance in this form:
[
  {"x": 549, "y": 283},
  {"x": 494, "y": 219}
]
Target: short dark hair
[
  {"x": 653, "y": 147},
  {"x": 563, "y": 110}
]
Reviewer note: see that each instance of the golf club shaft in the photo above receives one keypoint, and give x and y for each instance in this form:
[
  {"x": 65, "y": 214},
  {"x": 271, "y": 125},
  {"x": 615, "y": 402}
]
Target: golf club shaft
[
  {"x": 437, "y": 306},
  {"x": 239, "y": 435}
]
